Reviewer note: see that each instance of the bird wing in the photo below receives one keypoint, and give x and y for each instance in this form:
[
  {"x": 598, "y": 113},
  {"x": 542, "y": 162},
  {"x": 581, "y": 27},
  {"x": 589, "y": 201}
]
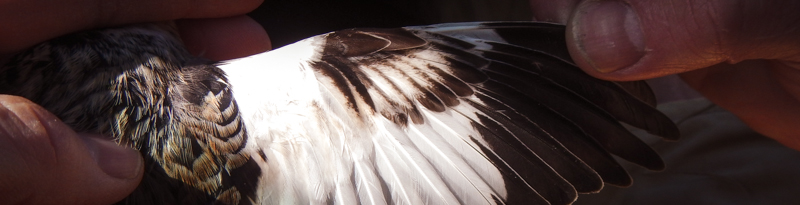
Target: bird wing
[{"x": 463, "y": 113}]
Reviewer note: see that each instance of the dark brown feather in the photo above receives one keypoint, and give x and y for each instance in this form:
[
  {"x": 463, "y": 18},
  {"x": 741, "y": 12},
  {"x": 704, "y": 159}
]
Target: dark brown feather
[{"x": 145, "y": 90}]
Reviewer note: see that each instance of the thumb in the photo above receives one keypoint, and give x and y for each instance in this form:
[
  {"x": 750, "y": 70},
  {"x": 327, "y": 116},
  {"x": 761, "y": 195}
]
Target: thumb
[
  {"x": 44, "y": 162},
  {"x": 635, "y": 40}
]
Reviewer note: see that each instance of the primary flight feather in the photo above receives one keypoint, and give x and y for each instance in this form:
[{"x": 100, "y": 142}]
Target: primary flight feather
[{"x": 460, "y": 113}]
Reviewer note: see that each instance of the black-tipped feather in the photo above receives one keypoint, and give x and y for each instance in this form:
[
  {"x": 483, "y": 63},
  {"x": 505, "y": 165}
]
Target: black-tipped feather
[
  {"x": 594, "y": 121},
  {"x": 640, "y": 90},
  {"x": 563, "y": 130},
  {"x": 608, "y": 95},
  {"x": 537, "y": 175},
  {"x": 534, "y": 141},
  {"x": 520, "y": 191}
]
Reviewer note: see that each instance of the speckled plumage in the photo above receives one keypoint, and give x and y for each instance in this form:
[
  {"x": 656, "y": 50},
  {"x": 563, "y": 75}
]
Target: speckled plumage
[{"x": 140, "y": 85}]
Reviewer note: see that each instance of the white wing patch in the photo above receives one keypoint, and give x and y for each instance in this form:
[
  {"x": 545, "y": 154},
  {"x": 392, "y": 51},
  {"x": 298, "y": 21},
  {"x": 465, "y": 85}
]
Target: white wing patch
[
  {"x": 419, "y": 122},
  {"x": 315, "y": 154}
]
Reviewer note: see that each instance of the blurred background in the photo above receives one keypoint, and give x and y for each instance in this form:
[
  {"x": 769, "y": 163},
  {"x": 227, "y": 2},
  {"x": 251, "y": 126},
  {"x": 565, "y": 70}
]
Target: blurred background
[{"x": 288, "y": 21}]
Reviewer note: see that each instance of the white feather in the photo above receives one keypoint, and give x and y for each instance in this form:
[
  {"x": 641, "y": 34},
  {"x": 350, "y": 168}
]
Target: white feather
[{"x": 318, "y": 150}]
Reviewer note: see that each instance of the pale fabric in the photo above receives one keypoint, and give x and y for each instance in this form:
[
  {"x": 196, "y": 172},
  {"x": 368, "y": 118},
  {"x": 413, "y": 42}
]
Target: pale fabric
[{"x": 718, "y": 160}]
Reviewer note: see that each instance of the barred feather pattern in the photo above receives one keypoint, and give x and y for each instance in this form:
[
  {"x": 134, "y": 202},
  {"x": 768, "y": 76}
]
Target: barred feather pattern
[{"x": 139, "y": 85}]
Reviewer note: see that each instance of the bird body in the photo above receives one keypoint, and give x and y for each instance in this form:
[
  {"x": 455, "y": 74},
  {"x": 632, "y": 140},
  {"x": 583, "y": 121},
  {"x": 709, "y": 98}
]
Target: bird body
[{"x": 463, "y": 113}]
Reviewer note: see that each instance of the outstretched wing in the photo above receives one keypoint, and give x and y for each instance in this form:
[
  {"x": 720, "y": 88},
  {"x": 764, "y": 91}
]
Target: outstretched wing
[{"x": 465, "y": 113}]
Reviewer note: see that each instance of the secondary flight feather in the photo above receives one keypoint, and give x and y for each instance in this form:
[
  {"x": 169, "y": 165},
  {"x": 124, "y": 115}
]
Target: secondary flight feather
[{"x": 460, "y": 113}]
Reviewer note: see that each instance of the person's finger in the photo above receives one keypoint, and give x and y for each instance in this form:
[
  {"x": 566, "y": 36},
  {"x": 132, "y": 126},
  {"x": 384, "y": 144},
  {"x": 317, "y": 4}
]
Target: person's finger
[
  {"x": 27, "y": 22},
  {"x": 223, "y": 38},
  {"x": 44, "y": 162},
  {"x": 762, "y": 93},
  {"x": 552, "y": 11},
  {"x": 632, "y": 40}
]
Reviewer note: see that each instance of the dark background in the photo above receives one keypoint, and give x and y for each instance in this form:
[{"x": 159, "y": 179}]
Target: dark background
[{"x": 289, "y": 21}]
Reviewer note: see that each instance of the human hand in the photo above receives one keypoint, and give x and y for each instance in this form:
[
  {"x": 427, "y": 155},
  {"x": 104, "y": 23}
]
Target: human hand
[
  {"x": 45, "y": 162},
  {"x": 27, "y": 23},
  {"x": 42, "y": 160},
  {"x": 742, "y": 55}
]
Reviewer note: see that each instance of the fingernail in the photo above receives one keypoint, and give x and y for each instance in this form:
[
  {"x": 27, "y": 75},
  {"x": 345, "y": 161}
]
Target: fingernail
[
  {"x": 115, "y": 160},
  {"x": 608, "y": 35}
]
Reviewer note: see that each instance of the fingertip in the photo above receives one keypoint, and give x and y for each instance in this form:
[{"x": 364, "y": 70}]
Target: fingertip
[
  {"x": 605, "y": 37},
  {"x": 117, "y": 161},
  {"x": 120, "y": 169},
  {"x": 224, "y": 38},
  {"x": 634, "y": 40},
  {"x": 47, "y": 163}
]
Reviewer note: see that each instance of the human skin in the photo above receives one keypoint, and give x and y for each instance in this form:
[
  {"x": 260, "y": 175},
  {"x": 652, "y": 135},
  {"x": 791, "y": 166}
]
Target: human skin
[
  {"x": 740, "y": 54},
  {"x": 45, "y": 162}
]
